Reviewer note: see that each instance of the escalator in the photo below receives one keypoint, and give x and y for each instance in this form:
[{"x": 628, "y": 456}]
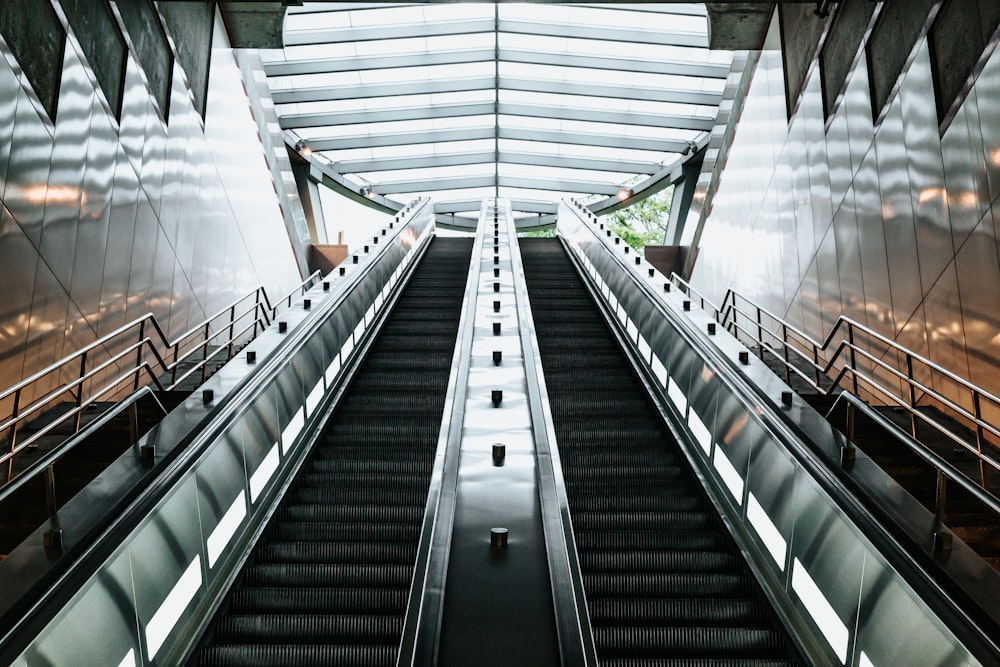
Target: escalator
[
  {"x": 665, "y": 584},
  {"x": 328, "y": 581}
]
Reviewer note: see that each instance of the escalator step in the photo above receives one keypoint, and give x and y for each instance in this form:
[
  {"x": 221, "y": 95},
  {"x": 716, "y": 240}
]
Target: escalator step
[
  {"x": 658, "y": 561},
  {"x": 678, "y": 611},
  {"x": 301, "y": 600},
  {"x": 702, "y": 643},
  {"x": 309, "y": 629},
  {"x": 338, "y": 552},
  {"x": 337, "y": 575},
  {"x": 244, "y": 655},
  {"x": 655, "y": 584}
]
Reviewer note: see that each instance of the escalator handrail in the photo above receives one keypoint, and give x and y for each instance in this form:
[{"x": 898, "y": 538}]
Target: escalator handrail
[
  {"x": 65, "y": 576},
  {"x": 895, "y": 545}
]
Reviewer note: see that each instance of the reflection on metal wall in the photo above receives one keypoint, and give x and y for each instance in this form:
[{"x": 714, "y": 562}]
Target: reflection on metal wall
[
  {"x": 102, "y": 222},
  {"x": 892, "y": 225}
]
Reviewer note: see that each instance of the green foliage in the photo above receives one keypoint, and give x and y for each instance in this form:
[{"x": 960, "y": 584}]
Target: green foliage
[
  {"x": 539, "y": 234},
  {"x": 643, "y": 223}
]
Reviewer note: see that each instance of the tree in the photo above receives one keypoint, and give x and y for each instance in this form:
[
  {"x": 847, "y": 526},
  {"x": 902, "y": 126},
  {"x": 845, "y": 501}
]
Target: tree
[{"x": 644, "y": 222}]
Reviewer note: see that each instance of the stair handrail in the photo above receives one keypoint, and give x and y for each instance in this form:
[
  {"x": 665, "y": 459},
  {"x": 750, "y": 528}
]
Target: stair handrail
[
  {"x": 263, "y": 312},
  {"x": 44, "y": 464},
  {"x": 727, "y": 317},
  {"x": 944, "y": 468}
]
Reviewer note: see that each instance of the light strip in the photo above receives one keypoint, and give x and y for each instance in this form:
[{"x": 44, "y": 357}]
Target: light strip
[
  {"x": 865, "y": 661},
  {"x": 767, "y": 531},
  {"x": 129, "y": 659},
  {"x": 314, "y": 397},
  {"x": 700, "y": 432},
  {"x": 332, "y": 370},
  {"x": 729, "y": 474},
  {"x": 177, "y": 600},
  {"x": 821, "y": 610},
  {"x": 677, "y": 396},
  {"x": 347, "y": 348},
  {"x": 659, "y": 370},
  {"x": 223, "y": 533},
  {"x": 292, "y": 431},
  {"x": 263, "y": 474}
]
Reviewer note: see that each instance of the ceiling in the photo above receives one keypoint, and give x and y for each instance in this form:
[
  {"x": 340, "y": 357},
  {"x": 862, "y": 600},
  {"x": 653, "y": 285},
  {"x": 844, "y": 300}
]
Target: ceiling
[{"x": 457, "y": 102}]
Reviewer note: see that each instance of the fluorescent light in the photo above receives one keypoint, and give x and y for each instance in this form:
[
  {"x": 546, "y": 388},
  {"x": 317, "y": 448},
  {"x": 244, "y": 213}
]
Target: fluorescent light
[
  {"x": 700, "y": 432},
  {"x": 313, "y": 399},
  {"x": 292, "y": 430},
  {"x": 821, "y": 610},
  {"x": 263, "y": 474},
  {"x": 230, "y": 521},
  {"x": 177, "y": 600},
  {"x": 659, "y": 370},
  {"x": 332, "y": 370},
  {"x": 729, "y": 474},
  {"x": 129, "y": 659},
  {"x": 766, "y": 531},
  {"x": 677, "y": 396}
]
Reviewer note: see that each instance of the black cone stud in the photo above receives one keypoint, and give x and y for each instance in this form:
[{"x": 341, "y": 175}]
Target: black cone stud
[{"x": 497, "y": 397}]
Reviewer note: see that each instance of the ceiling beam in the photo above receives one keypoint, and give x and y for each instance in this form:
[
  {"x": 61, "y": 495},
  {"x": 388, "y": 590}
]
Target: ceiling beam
[
  {"x": 414, "y": 162},
  {"x": 399, "y": 139},
  {"x": 677, "y": 122},
  {"x": 559, "y": 185},
  {"x": 462, "y": 182},
  {"x": 644, "y": 93},
  {"x": 574, "y": 162},
  {"x": 675, "y": 67},
  {"x": 604, "y": 33},
  {"x": 379, "y": 33},
  {"x": 363, "y": 64},
  {"x": 429, "y": 112},
  {"x": 366, "y": 91}
]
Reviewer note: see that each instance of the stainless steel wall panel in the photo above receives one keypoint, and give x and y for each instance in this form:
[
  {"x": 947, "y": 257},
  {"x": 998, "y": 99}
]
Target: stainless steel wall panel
[
  {"x": 829, "y": 281},
  {"x": 877, "y": 297},
  {"x": 135, "y": 108},
  {"x": 959, "y": 175},
  {"x": 860, "y": 129},
  {"x": 154, "y": 146},
  {"x": 979, "y": 293},
  {"x": 838, "y": 156},
  {"x": 19, "y": 260},
  {"x": 946, "y": 336},
  {"x": 988, "y": 97},
  {"x": 141, "y": 267},
  {"x": 845, "y": 235},
  {"x": 28, "y": 168},
  {"x": 65, "y": 177},
  {"x": 9, "y": 88},
  {"x": 118, "y": 258}
]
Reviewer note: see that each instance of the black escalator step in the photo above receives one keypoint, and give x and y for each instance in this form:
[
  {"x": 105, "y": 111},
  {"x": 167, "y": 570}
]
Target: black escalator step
[
  {"x": 659, "y": 561},
  {"x": 288, "y": 575},
  {"x": 383, "y": 497},
  {"x": 278, "y": 655},
  {"x": 370, "y": 467},
  {"x": 679, "y": 611},
  {"x": 371, "y": 432},
  {"x": 331, "y": 449},
  {"x": 627, "y": 472},
  {"x": 684, "y": 662},
  {"x": 437, "y": 383},
  {"x": 317, "y": 479},
  {"x": 595, "y": 488},
  {"x": 353, "y": 513},
  {"x": 322, "y": 531},
  {"x": 648, "y": 585},
  {"x": 637, "y": 503},
  {"x": 326, "y": 600},
  {"x": 669, "y": 521},
  {"x": 337, "y": 552},
  {"x": 309, "y": 629},
  {"x": 704, "y": 643},
  {"x": 650, "y": 539}
]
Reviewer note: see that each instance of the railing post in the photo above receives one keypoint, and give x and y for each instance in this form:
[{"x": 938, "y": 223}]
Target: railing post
[
  {"x": 204, "y": 353},
  {"x": 12, "y": 436},
  {"x": 816, "y": 365},
  {"x": 851, "y": 417},
  {"x": 256, "y": 311},
  {"x": 79, "y": 393},
  {"x": 913, "y": 396},
  {"x": 133, "y": 422},
  {"x": 978, "y": 411},
  {"x": 784, "y": 349},
  {"x": 232, "y": 323},
  {"x": 138, "y": 355},
  {"x": 760, "y": 334},
  {"x": 854, "y": 366},
  {"x": 50, "y": 489},
  {"x": 940, "y": 496},
  {"x": 173, "y": 365}
]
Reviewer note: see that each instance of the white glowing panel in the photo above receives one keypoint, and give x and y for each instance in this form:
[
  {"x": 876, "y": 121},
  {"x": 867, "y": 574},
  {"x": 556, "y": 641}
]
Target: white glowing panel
[
  {"x": 223, "y": 533},
  {"x": 644, "y": 349},
  {"x": 659, "y": 370},
  {"x": 631, "y": 329},
  {"x": 677, "y": 396},
  {"x": 360, "y": 329},
  {"x": 369, "y": 315},
  {"x": 347, "y": 348},
  {"x": 129, "y": 659},
  {"x": 314, "y": 397},
  {"x": 177, "y": 600},
  {"x": 730, "y": 476},
  {"x": 819, "y": 608},
  {"x": 700, "y": 432},
  {"x": 333, "y": 369},
  {"x": 264, "y": 472},
  {"x": 865, "y": 661},
  {"x": 292, "y": 431},
  {"x": 766, "y": 531}
]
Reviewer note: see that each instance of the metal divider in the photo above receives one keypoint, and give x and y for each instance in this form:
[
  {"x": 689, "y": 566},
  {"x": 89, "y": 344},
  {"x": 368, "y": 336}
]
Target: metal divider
[
  {"x": 845, "y": 590},
  {"x": 141, "y": 593}
]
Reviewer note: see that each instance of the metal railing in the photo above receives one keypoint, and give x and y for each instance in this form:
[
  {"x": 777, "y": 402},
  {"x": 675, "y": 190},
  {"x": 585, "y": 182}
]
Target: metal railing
[
  {"x": 841, "y": 358},
  {"x": 117, "y": 363}
]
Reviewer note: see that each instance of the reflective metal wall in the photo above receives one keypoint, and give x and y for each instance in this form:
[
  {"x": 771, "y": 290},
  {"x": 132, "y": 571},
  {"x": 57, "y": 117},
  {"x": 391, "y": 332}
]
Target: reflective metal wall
[
  {"x": 101, "y": 222},
  {"x": 891, "y": 223}
]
